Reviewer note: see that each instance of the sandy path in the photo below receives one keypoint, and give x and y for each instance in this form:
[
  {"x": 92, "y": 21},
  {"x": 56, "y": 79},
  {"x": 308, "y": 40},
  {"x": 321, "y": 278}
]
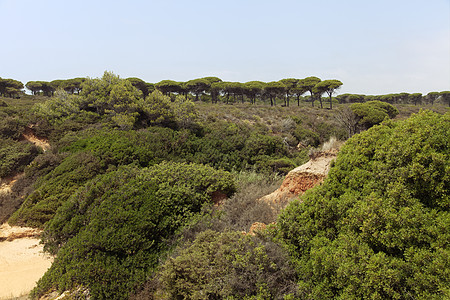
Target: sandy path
[{"x": 22, "y": 262}]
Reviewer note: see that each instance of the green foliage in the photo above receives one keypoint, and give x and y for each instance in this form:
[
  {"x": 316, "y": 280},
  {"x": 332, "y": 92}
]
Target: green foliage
[
  {"x": 308, "y": 84},
  {"x": 140, "y": 84},
  {"x": 234, "y": 147},
  {"x": 115, "y": 101},
  {"x": 253, "y": 89},
  {"x": 14, "y": 156},
  {"x": 169, "y": 86},
  {"x": 11, "y": 127},
  {"x": 197, "y": 86},
  {"x": 158, "y": 109},
  {"x": 379, "y": 225},
  {"x": 185, "y": 112},
  {"x": 92, "y": 153},
  {"x": 273, "y": 90},
  {"x": 10, "y": 87},
  {"x": 60, "y": 107},
  {"x": 326, "y": 86},
  {"x": 111, "y": 96},
  {"x": 373, "y": 112},
  {"x": 86, "y": 158},
  {"x": 227, "y": 265},
  {"x": 445, "y": 95},
  {"x": 112, "y": 231}
]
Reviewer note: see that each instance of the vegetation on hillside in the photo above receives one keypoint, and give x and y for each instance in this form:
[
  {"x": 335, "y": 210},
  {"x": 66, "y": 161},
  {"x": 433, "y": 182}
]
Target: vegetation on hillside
[
  {"x": 128, "y": 194},
  {"x": 110, "y": 234},
  {"x": 379, "y": 225}
]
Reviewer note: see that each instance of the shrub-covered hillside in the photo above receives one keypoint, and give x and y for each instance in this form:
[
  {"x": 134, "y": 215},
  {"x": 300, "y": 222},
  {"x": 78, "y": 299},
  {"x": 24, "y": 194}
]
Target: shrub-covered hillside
[
  {"x": 111, "y": 233},
  {"x": 145, "y": 194},
  {"x": 378, "y": 227}
]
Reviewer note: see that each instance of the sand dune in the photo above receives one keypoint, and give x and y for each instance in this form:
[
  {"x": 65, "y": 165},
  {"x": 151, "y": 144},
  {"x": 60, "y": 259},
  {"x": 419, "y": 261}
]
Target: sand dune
[{"x": 22, "y": 261}]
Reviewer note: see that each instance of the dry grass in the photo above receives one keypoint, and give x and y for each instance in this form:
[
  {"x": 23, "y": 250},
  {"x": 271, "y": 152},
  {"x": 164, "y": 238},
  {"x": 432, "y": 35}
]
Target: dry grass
[{"x": 332, "y": 144}]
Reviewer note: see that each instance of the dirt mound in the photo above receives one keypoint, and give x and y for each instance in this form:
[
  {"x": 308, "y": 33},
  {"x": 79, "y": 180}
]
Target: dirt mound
[{"x": 302, "y": 178}]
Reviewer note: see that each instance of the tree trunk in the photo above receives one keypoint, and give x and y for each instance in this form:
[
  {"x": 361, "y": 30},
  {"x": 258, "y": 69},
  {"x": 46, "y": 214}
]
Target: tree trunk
[{"x": 331, "y": 101}]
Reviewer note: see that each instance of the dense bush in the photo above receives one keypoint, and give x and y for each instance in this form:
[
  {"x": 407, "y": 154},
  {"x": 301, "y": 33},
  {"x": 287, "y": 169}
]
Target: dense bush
[
  {"x": 15, "y": 155},
  {"x": 372, "y": 112},
  {"x": 112, "y": 231},
  {"x": 11, "y": 128},
  {"x": 85, "y": 159},
  {"x": 227, "y": 265},
  {"x": 112, "y": 100},
  {"x": 235, "y": 147},
  {"x": 379, "y": 225},
  {"x": 94, "y": 152}
]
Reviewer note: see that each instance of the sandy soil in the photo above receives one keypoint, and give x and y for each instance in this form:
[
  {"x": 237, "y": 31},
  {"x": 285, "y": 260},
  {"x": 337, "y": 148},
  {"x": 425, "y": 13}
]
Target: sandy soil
[
  {"x": 22, "y": 261},
  {"x": 41, "y": 143},
  {"x": 7, "y": 183},
  {"x": 302, "y": 178}
]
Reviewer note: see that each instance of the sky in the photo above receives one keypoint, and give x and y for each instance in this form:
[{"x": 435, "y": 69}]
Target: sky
[{"x": 373, "y": 47}]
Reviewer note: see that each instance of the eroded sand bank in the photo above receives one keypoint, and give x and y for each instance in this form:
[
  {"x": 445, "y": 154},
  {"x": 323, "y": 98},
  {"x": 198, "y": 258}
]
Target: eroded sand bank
[{"x": 22, "y": 261}]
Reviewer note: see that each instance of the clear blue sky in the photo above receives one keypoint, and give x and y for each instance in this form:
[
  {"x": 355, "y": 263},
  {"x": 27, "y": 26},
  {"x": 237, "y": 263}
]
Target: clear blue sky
[{"x": 373, "y": 47}]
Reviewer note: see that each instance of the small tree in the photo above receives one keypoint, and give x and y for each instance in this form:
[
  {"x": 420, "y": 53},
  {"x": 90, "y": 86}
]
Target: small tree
[
  {"x": 140, "y": 85},
  {"x": 348, "y": 119},
  {"x": 298, "y": 91},
  {"x": 185, "y": 113},
  {"x": 372, "y": 113},
  {"x": 273, "y": 90},
  {"x": 168, "y": 86},
  {"x": 308, "y": 84},
  {"x": 212, "y": 91},
  {"x": 290, "y": 85},
  {"x": 446, "y": 97},
  {"x": 432, "y": 96},
  {"x": 415, "y": 98},
  {"x": 236, "y": 89},
  {"x": 253, "y": 89},
  {"x": 197, "y": 86},
  {"x": 34, "y": 86},
  {"x": 215, "y": 89},
  {"x": 10, "y": 87},
  {"x": 329, "y": 87},
  {"x": 158, "y": 109}
]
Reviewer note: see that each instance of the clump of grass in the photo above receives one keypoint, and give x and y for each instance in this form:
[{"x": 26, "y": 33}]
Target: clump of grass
[{"x": 331, "y": 144}]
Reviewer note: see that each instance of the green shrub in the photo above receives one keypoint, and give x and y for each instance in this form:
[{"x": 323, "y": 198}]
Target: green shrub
[
  {"x": 11, "y": 128},
  {"x": 112, "y": 231},
  {"x": 14, "y": 156},
  {"x": 85, "y": 159},
  {"x": 378, "y": 227},
  {"x": 373, "y": 112},
  {"x": 227, "y": 265}
]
